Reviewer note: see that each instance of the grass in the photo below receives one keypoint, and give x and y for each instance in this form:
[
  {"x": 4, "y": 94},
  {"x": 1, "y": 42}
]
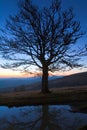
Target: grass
[{"x": 74, "y": 95}]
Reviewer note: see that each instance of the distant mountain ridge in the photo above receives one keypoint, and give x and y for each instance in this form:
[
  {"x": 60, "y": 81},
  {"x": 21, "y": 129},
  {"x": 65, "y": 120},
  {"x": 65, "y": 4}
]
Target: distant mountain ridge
[
  {"x": 11, "y": 83},
  {"x": 79, "y": 79}
]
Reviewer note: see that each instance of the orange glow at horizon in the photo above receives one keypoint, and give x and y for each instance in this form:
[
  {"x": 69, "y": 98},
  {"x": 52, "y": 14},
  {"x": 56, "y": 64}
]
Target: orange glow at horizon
[{"x": 5, "y": 73}]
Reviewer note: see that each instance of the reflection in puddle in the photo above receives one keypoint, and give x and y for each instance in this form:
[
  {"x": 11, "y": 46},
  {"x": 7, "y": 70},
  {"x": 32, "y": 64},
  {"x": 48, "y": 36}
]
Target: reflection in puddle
[{"x": 52, "y": 117}]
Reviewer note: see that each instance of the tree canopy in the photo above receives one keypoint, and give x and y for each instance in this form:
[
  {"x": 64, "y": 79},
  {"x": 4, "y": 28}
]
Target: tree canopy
[{"x": 41, "y": 37}]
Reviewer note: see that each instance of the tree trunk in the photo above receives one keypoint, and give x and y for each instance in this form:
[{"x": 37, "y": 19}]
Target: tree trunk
[{"x": 45, "y": 80}]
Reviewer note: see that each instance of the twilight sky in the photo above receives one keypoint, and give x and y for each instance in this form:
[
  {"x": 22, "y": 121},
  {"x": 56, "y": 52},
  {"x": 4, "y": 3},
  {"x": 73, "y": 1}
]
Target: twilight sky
[{"x": 8, "y": 7}]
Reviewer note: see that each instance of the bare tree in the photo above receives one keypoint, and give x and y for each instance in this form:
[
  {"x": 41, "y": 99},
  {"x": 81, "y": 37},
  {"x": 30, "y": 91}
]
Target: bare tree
[{"x": 42, "y": 37}]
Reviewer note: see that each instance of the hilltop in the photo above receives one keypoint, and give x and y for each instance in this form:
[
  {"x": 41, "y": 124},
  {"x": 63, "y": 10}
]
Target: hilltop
[{"x": 79, "y": 79}]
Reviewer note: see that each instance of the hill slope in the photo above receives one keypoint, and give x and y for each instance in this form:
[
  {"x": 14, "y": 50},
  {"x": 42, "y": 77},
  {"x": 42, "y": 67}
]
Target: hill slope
[{"x": 78, "y": 79}]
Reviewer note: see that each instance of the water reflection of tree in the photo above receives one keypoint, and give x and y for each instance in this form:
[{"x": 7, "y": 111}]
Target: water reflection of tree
[
  {"x": 48, "y": 120},
  {"x": 45, "y": 121},
  {"x": 40, "y": 118}
]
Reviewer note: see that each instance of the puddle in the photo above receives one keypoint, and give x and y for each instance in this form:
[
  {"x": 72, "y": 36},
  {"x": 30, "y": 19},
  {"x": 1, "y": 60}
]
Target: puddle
[{"x": 46, "y": 117}]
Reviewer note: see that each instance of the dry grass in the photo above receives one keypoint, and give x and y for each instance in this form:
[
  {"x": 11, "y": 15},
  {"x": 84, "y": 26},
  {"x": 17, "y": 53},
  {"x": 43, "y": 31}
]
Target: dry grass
[{"x": 57, "y": 95}]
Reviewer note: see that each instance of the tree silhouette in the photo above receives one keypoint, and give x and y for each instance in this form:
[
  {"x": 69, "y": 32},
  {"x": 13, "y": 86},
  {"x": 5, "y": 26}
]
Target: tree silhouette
[{"x": 41, "y": 37}]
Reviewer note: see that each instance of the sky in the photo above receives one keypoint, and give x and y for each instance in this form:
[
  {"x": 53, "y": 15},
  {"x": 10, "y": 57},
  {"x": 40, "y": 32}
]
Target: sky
[{"x": 9, "y": 7}]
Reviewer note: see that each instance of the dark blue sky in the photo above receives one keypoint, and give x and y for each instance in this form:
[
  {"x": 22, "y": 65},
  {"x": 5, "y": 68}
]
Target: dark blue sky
[
  {"x": 80, "y": 8},
  {"x": 8, "y": 7}
]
